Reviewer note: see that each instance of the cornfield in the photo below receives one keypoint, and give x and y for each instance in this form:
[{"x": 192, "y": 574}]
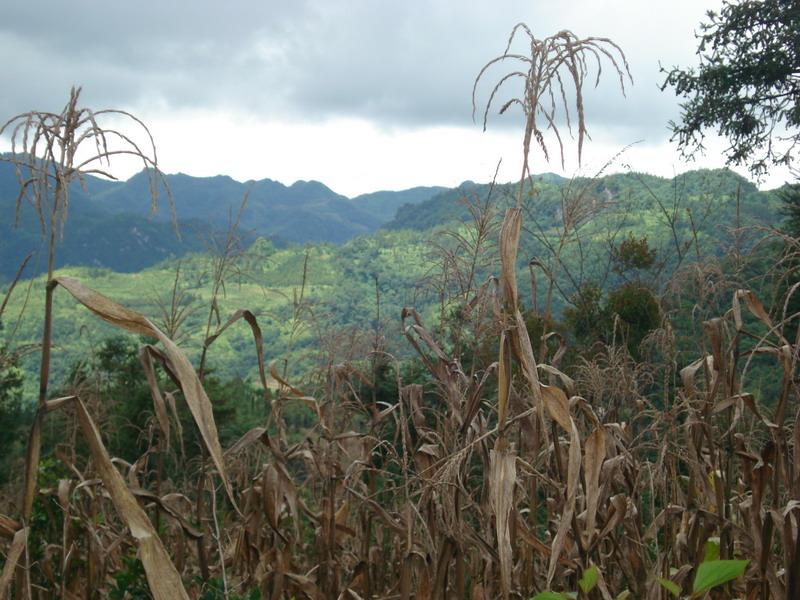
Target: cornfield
[{"x": 509, "y": 481}]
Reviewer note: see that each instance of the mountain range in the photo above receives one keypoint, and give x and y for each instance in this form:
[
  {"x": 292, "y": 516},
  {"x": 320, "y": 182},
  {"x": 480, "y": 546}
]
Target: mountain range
[
  {"x": 111, "y": 224},
  {"x": 708, "y": 213}
]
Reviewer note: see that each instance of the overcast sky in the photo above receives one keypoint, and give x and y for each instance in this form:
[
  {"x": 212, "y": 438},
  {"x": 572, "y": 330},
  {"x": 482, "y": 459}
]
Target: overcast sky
[{"x": 359, "y": 94}]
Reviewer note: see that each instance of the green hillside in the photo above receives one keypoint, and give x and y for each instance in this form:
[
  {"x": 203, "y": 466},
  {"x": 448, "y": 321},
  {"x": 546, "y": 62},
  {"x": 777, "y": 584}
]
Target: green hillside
[
  {"x": 340, "y": 293},
  {"x": 619, "y": 191}
]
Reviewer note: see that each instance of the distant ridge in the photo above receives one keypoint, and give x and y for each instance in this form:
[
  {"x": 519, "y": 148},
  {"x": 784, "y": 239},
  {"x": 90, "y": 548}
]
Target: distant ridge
[
  {"x": 305, "y": 211},
  {"x": 384, "y": 204},
  {"x": 448, "y": 206},
  {"x": 110, "y": 223},
  {"x": 111, "y": 226}
]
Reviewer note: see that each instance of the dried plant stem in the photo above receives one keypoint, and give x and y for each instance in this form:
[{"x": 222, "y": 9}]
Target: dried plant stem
[
  {"x": 546, "y": 65},
  {"x": 49, "y": 144},
  {"x": 220, "y": 548}
]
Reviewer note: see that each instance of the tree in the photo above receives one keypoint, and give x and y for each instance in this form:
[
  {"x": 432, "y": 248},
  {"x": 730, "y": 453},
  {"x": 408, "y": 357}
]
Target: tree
[
  {"x": 632, "y": 255},
  {"x": 638, "y": 309},
  {"x": 790, "y": 196},
  {"x": 747, "y": 86},
  {"x": 586, "y": 318}
]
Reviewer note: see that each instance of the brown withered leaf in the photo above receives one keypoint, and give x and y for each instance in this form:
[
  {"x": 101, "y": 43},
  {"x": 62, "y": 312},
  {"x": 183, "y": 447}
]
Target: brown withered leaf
[
  {"x": 715, "y": 332},
  {"x": 503, "y": 381},
  {"x": 446, "y": 554},
  {"x": 573, "y": 479},
  {"x": 296, "y": 393},
  {"x": 503, "y": 477},
  {"x": 193, "y": 392},
  {"x": 618, "y": 508},
  {"x": 688, "y": 373},
  {"x": 8, "y": 527},
  {"x": 162, "y": 576},
  {"x": 272, "y": 495},
  {"x": 32, "y": 456},
  {"x": 475, "y": 398},
  {"x": 557, "y": 405},
  {"x": 567, "y": 381},
  {"x": 305, "y": 584},
  {"x": 245, "y": 441},
  {"x": 594, "y": 455},
  {"x": 173, "y": 408},
  {"x": 521, "y": 342},
  {"x": 158, "y": 399},
  {"x": 509, "y": 242},
  {"x": 756, "y": 307},
  {"x": 12, "y": 558},
  {"x": 252, "y": 321},
  {"x": 187, "y": 528}
]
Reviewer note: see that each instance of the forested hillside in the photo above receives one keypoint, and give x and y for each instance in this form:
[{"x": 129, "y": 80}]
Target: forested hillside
[{"x": 694, "y": 214}]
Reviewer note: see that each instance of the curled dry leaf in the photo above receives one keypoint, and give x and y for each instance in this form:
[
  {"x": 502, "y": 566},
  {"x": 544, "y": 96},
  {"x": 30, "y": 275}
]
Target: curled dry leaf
[
  {"x": 594, "y": 455},
  {"x": 179, "y": 365},
  {"x": 503, "y": 476},
  {"x": 568, "y": 510},
  {"x": 252, "y": 321},
  {"x": 12, "y": 558},
  {"x": 162, "y": 576},
  {"x": 756, "y": 307},
  {"x": 557, "y": 405}
]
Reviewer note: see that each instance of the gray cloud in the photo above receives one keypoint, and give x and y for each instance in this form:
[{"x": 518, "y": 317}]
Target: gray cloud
[{"x": 398, "y": 63}]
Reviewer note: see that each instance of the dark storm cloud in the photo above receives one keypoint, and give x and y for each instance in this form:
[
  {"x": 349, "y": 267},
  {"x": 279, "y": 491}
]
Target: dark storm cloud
[
  {"x": 399, "y": 64},
  {"x": 193, "y": 54}
]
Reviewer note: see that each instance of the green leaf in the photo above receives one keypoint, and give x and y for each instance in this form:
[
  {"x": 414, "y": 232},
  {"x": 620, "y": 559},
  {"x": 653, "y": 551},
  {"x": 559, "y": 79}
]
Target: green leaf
[
  {"x": 670, "y": 586},
  {"x": 716, "y": 572},
  {"x": 589, "y": 579},
  {"x": 711, "y": 549},
  {"x": 550, "y": 596}
]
